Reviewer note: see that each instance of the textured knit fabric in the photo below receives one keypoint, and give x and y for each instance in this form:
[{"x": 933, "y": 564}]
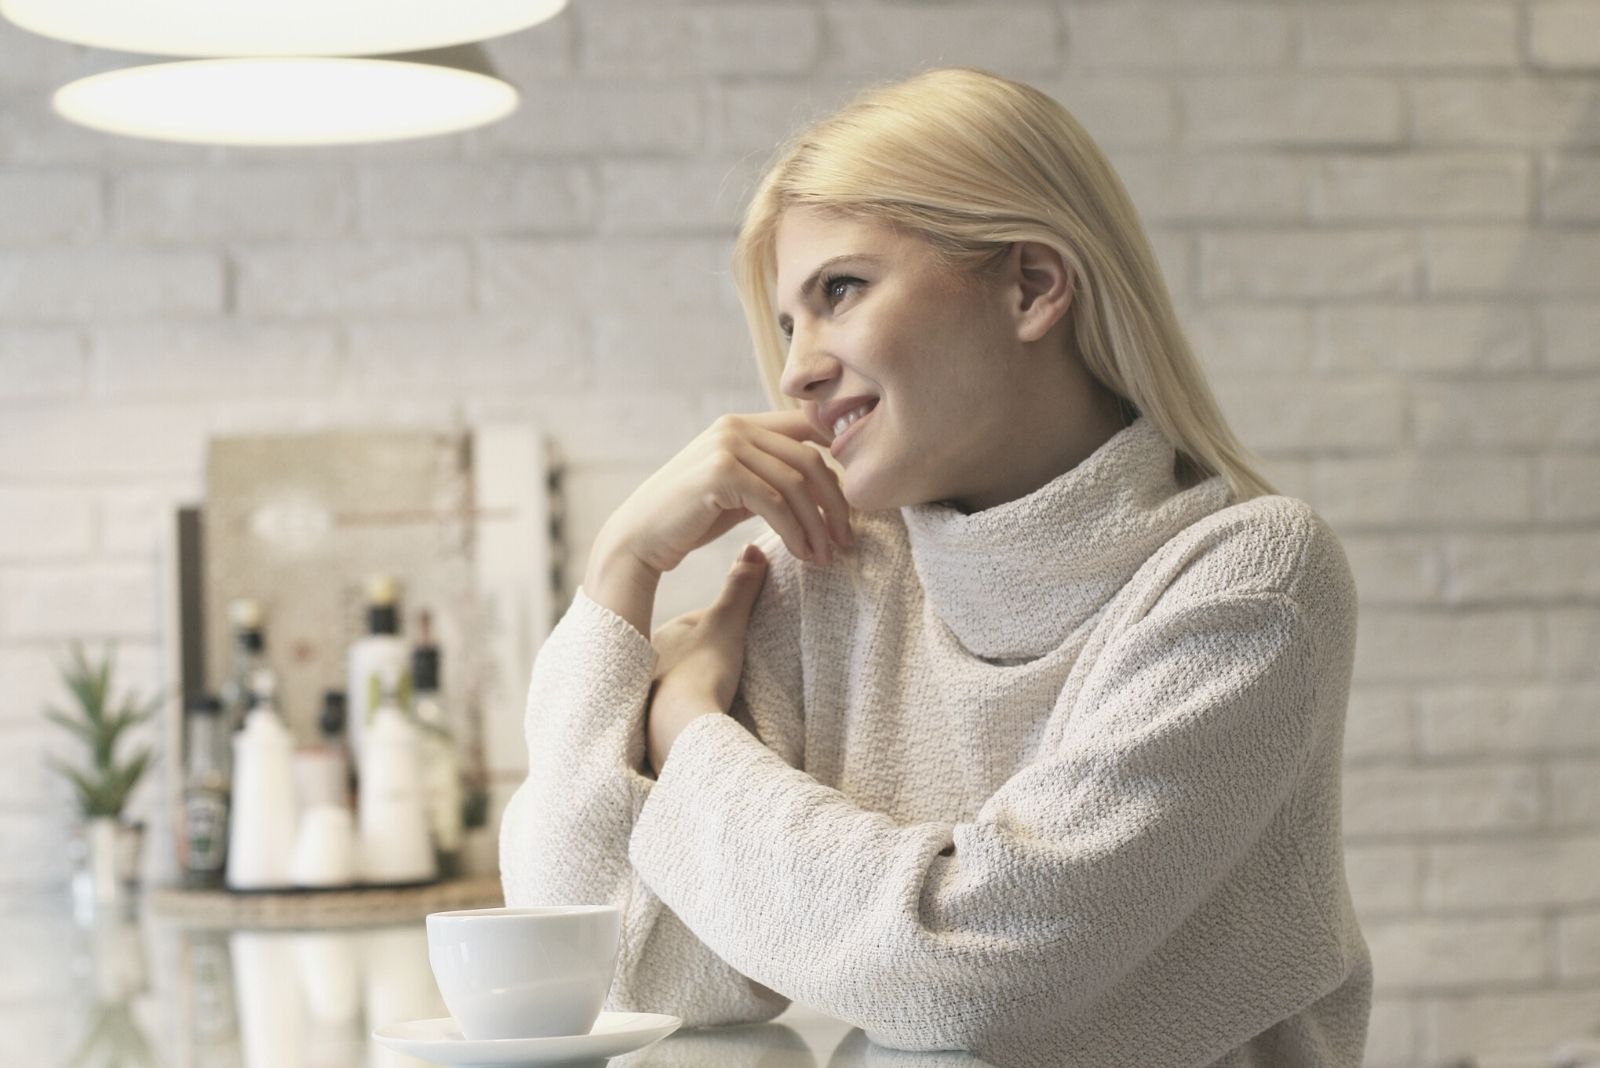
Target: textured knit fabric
[{"x": 1056, "y": 782}]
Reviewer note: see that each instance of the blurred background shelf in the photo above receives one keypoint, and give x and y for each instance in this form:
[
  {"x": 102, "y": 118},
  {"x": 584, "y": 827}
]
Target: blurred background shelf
[{"x": 349, "y": 906}]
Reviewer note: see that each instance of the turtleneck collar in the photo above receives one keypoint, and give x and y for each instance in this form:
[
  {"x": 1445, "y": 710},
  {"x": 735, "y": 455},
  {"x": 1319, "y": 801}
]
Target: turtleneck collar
[{"x": 1014, "y": 581}]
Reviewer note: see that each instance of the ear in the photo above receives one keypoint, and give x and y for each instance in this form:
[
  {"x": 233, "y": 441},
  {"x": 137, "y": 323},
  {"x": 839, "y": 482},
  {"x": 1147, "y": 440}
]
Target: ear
[{"x": 1039, "y": 288}]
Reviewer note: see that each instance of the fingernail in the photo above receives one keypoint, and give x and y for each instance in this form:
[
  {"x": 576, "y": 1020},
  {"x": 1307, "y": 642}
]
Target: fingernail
[{"x": 751, "y": 554}]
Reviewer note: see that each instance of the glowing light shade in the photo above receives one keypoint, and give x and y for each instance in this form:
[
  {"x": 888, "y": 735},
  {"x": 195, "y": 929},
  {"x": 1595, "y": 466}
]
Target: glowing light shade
[
  {"x": 276, "y": 27},
  {"x": 292, "y": 100}
]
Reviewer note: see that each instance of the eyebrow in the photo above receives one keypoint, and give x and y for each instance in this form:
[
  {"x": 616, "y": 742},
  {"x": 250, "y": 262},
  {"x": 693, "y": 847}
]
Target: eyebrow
[{"x": 811, "y": 282}]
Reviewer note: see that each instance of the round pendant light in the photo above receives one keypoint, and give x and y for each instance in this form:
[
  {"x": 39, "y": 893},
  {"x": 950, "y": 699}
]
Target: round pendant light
[
  {"x": 276, "y": 28},
  {"x": 293, "y": 100}
]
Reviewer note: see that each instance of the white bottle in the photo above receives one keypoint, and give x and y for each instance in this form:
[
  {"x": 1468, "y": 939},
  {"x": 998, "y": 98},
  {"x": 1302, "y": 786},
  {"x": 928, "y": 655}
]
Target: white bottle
[
  {"x": 393, "y": 815},
  {"x": 379, "y": 661},
  {"x": 261, "y": 820}
]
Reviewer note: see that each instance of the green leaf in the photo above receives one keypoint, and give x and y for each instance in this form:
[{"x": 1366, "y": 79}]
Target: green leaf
[{"x": 78, "y": 727}]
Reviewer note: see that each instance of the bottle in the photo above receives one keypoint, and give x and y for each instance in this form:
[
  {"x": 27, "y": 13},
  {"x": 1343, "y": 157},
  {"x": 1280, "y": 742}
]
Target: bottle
[
  {"x": 394, "y": 842},
  {"x": 205, "y": 795},
  {"x": 261, "y": 825},
  {"x": 441, "y": 768},
  {"x": 378, "y": 660},
  {"x": 247, "y": 656},
  {"x": 322, "y": 771}
]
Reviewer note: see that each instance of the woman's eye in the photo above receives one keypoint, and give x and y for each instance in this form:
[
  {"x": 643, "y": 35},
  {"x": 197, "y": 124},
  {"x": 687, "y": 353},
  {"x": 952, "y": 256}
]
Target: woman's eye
[{"x": 827, "y": 287}]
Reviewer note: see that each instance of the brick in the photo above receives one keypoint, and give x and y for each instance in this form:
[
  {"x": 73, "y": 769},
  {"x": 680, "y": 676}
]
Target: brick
[
  {"x": 1396, "y": 569},
  {"x": 228, "y": 204},
  {"x": 32, "y": 133},
  {"x": 1570, "y": 330},
  {"x": 543, "y": 51},
  {"x": 673, "y": 197},
  {"x": 1185, "y": 186},
  {"x": 1527, "y": 567},
  {"x": 1573, "y": 634},
  {"x": 689, "y": 349},
  {"x": 1239, "y": 339},
  {"x": 757, "y": 116},
  {"x": 1316, "y": 264},
  {"x": 1227, "y": 35},
  {"x": 41, "y": 524},
  {"x": 1293, "y": 109},
  {"x": 1575, "y": 788},
  {"x": 485, "y": 352},
  {"x": 1517, "y": 110},
  {"x": 1568, "y": 189},
  {"x": 1447, "y": 186},
  {"x": 118, "y": 601},
  {"x": 49, "y": 206},
  {"x": 1524, "y": 872},
  {"x": 1117, "y": 110},
  {"x": 1473, "y": 1028},
  {"x": 1395, "y": 645},
  {"x": 1408, "y": 490},
  {"x": 311, "y": 279},
  {"x": 1569, "y": 486},
  {"x": 1564, "y": 35},
  {"x": 1450, "y": 337},
  {"x": 153, "y": 439},
  {"x": 1392, "y": 1033},
  {"x": 1446, "y": 954},
  {"x": 628, "y": 426},
  {"x": 1422, "y": 36},
  {"x": 761, "y": 40},
  {"x": 896, "y": 38},
  {"x": 449, "y": 199},
  {"x": 567, "y": 118},
  {"x": 1529, "y": 719},
  {"x": 31, "y": 679},
  {"x": 1377, "y": 725},
  {"x": 584, "y": 277},
  {"x": 1302, "y": 418},
  {"x": 32, "y": 858},
  {"x": 1380, "y": 801},
  {"x": 1578, "y": 945},
  {"x": 40, "y": 363},
  {"x": 1383, "y": 878},
  {"x": 1507, "y": 414},
  {"x": 218, "y": 358},
  {"x": 137, "y": 520},
  {"x": 1510, "y": 260},
  {"x": 79, "y": 286}
]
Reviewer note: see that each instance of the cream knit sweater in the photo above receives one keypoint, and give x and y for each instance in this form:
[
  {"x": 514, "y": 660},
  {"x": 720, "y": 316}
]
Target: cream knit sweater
[{"x": 1056, "y": 782}]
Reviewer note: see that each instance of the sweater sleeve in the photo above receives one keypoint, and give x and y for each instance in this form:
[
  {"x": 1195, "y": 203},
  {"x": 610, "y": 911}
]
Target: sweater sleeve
[
  {"x": 1187, "y": 737},
  {"x": 564, "y": 835}
]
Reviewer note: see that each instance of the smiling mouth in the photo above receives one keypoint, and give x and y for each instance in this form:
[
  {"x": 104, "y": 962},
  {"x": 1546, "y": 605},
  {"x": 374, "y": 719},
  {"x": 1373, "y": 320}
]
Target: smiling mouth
[{"x": 834, "y": 447}]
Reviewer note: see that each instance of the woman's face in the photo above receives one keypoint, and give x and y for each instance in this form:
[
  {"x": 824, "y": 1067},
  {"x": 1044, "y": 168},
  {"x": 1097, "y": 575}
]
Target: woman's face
[{"x": 972, "y": 390}]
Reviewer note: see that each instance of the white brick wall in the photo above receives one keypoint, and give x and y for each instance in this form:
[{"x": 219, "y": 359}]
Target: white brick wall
[{"x": 1380, "y": 221}]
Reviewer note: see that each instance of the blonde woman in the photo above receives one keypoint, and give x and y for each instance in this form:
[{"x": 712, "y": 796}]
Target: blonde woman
[{"x": 1020, "y": 731}]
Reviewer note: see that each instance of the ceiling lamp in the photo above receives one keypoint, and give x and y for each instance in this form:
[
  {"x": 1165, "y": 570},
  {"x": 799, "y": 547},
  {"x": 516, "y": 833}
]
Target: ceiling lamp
[
  {"x": 289, "y": 72},
  {"x": 292, "y": 100}
]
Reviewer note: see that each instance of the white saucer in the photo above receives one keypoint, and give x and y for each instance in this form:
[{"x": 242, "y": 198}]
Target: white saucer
[{"x": 441, "y": 1041}]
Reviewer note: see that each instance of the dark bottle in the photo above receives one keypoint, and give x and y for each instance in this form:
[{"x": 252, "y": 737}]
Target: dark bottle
[{"x": 205, "y": 795}]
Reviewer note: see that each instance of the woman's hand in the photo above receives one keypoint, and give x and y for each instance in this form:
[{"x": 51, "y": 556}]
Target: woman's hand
[
  {"x": 701, "y": 657},
  {"x": 740, "y": 466}
]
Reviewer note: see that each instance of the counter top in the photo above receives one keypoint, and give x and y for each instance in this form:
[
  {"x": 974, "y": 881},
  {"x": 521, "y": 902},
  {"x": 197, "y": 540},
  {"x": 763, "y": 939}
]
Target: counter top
[{"x": 150, "y": 989}]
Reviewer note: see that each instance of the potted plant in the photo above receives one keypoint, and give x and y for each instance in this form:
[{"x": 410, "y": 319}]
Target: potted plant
[{"x": 103, "y": 788}]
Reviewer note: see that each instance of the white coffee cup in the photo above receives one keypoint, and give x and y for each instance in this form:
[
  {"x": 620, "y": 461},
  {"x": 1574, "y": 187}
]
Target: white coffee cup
[{"x": 532, "y": 972}]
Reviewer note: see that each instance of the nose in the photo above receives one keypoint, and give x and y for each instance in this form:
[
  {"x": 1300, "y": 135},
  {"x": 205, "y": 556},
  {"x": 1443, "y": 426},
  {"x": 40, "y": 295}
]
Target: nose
[{"x": 805, "y": 366}]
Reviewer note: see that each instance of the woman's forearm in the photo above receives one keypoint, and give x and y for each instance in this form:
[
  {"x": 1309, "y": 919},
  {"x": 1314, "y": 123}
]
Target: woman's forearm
[{"x": 619, "y": 580}]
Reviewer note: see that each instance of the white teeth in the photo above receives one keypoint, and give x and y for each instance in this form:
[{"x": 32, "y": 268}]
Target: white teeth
[{"x": 845, "y": 420}]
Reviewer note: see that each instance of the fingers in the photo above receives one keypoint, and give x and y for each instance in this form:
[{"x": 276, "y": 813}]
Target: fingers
[
  {"x": 772, "y": 446},
  {"x": 777, "y": 493}
]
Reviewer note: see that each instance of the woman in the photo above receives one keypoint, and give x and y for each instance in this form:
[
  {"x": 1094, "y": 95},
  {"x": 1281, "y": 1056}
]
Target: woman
[{"x": 1021, "y": 732}]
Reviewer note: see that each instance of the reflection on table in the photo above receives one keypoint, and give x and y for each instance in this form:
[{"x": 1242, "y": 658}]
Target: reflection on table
[{"x": 145, "y": 992}]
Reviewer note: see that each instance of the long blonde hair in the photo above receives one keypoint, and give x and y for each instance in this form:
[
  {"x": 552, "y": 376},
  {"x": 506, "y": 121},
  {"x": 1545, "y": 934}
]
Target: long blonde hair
[{"x": 971, "y": 162}]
